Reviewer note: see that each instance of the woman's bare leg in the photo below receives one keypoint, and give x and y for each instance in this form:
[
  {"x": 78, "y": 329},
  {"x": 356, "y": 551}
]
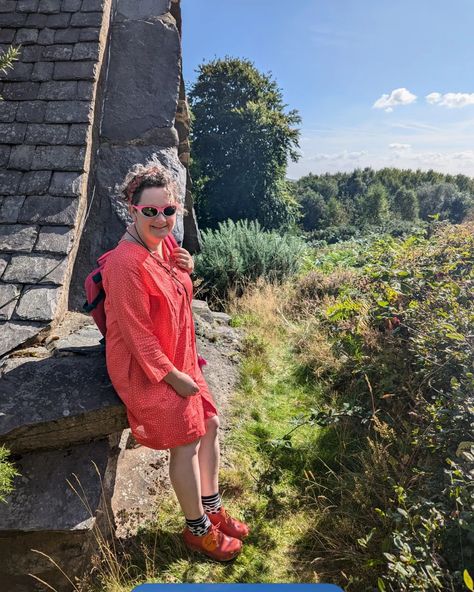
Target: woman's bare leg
[
  {"x": 208, "y": 455},
  {"x": 185, "y": 478}
]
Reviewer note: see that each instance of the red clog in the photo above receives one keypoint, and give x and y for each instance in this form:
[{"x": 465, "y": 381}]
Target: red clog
[
  {"x": 228, "y": 525},
  {"x": 215, "y": 544}
]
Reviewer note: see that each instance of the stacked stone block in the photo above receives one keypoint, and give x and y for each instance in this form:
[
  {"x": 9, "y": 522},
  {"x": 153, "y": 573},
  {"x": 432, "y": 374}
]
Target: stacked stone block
[{"x": 45, "y": 131}]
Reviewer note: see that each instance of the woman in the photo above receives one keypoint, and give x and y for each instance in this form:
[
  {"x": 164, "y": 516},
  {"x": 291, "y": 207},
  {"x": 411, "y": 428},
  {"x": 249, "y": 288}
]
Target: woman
[{"x": 152, "y": 359}]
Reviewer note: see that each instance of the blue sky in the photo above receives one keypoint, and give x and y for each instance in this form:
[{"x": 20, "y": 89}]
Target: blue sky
[{"x": 358, "y": 71}]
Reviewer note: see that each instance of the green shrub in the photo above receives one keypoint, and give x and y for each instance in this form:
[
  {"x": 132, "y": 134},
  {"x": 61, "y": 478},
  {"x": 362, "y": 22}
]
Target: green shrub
[
  {"x": 7, "y": 472},
  {"x": 239, "y": 252}
]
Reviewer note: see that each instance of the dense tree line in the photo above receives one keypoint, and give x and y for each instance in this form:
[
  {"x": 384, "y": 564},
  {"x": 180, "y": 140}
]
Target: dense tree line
[{"x": 366, "y": 197}]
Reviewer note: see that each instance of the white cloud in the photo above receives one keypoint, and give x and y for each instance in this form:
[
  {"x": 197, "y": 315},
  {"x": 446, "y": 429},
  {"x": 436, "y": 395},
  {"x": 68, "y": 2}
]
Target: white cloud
[
  {"x": 345, "y": 155},
  {"x": 465, "y": 155},
  {"x": 397, "y": 146},
  {"x": 399, "y": 96},
  {"x": 450, "y": 100}
]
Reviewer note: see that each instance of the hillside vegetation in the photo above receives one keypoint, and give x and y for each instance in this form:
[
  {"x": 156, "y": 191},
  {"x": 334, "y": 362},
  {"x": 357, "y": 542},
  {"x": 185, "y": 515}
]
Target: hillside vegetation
[{"x": 379, "y": 338}]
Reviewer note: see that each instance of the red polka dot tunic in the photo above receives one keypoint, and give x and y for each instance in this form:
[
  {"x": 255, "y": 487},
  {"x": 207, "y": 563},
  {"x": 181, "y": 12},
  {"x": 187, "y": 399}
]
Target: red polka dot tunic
[{"x": 150, "y": 330}]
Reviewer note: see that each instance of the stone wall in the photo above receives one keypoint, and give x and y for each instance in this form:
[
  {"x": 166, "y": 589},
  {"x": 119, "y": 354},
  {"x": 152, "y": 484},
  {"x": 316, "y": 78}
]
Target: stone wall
[
  {"x": 98, "y": 88},
  {"x": 46, "y": 124}
]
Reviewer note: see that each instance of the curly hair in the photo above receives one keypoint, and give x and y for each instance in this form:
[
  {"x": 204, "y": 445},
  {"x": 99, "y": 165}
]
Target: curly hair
[{"x": 151, "y": 174}]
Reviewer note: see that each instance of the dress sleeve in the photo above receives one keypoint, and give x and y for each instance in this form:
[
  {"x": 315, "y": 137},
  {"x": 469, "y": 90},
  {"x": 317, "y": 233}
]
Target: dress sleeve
[{"x": 128, "y": 298}]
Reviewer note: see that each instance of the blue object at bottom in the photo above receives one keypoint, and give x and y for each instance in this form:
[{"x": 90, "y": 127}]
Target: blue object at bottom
[{"x": 237, "y": 588}]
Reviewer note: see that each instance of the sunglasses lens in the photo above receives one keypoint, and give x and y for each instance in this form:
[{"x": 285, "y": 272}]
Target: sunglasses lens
[
  {"x": 149, "y": 212},
  {"x": 169, "y": 211}
]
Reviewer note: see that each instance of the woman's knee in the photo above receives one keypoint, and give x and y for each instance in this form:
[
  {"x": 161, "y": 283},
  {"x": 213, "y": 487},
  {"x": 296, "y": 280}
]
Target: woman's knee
[
  {"x": 187, "y": 450},
  {"x": 212, "y": 424}
]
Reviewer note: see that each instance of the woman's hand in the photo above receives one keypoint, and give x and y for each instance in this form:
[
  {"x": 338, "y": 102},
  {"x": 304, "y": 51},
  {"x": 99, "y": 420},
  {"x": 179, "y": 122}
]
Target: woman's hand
[
  {"x": 183, "y": 259},
  {"x": 182, "y": 383}
]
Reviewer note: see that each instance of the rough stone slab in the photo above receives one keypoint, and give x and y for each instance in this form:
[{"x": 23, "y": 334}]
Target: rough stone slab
[
  {"x": 8, "y": 111},
  {"x": 201, "y": 309},
  {"x": 56, "y": 53},
  {"x": 49, "y": 6},
  {"x": 7, "y": 35},
  {"x": 35, "y": 183},
  {"x": 13, "y": 19},
  {"x": 42, "y": 71},
  {"x": 69, "y": 35},
  {"x": 4, "y": 156},
  {"x": 85, "y": 51},
  {"x": 222, "y": 318},
  {"x": 78, "y": 135},
  {"x": 64, "y": 158},
  {"x": 47, "y": 514},
  {"x": 58, "y": 401},
  {"x": 9, "y": 181},
  {"x": 31, "y": 111},
  {"x": 142, "y": 479},
  {"x": 46, "y": 36},
  {"x": 31, "y": 53},
  {"x": 4, "y": 259},
  {"x": 12, "y": 133},
  {"x": 27, "y": 5},
  {"x": 10, "y": 209},
  {"x": 68, "y": 112},
  {"x": 36, "y": 269},
  {"x": 21, "y": 157},
  {"x": 37, "y": 20},
  {"x": 134, "y": 106},
  {"x": 87, "y": 336},
  {"x": 74, "y": 71},
  {"x": 49, "y": 210},
  {"x": 66, "y": 184},
  {"x": 26, "y": 36},
  {"x": 55, "y": 239},
  {"x": 58, "y": 90},
  {"x": 46, "y": 134},
  {"x": 85, "y": 89},
  {"x": 133, "y": 10},
  {"x": 7, "y": 6},
  {"x": 20, "y": 91},
  {"x": 9, "y": 294},
  {"x": 92, "y": 5},
  {"x": 88, "y": 19},
  {"x": 89, "y": 34},
  {"x": 58, "y": 21},
  {"x": 13, "y": 334},
  {"x": 17, "y": 238},
  {"x": 20, "y": 72},
  {"x": 38, "y": 304},
  {"x": 71, "y": 5}
]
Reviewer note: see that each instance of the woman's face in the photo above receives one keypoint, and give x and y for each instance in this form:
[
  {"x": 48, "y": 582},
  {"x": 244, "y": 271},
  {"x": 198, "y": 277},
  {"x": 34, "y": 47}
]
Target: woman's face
[{"x": 153, "y": 230}]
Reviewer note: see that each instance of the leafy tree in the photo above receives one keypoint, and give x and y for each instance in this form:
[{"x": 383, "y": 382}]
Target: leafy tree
[
  {"x": 314, "y": 210},
  {"x": 444, "y": 199},
  {"x": 374, "y": 204},
  {"x": 405, "y": 204},
  {"x": 242, "y": 140}
]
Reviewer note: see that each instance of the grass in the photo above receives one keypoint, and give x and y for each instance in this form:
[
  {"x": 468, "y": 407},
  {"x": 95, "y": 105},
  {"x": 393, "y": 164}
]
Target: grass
[{"x": 260, "y": 480}]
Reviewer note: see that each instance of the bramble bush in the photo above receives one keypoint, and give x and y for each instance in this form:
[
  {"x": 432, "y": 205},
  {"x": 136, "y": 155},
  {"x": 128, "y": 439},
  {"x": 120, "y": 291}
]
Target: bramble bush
[
  {"x": 383, "y": 333},
  {"x": 402, "y": 337}
]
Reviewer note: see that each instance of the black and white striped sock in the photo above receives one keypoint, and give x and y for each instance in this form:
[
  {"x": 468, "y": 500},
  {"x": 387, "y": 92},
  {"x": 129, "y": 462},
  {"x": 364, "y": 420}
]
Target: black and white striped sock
[
  {"x": 211, "y": 503},
  {"x": 200, "y": 526}
]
